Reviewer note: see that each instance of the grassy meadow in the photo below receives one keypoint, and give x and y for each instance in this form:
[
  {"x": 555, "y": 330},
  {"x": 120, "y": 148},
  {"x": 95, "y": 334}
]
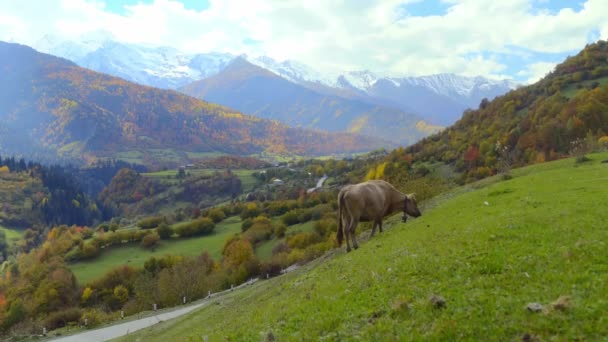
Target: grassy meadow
[
  {"x": 135, "y": 255},
  {"x": 245, "y": 175},
  {"x": 12, "y": 235},
  {"x": 488, "y": 249}
]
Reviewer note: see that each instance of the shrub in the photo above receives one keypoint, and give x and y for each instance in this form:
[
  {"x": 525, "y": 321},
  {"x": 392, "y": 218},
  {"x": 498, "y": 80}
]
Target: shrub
[
  {"x": 325, "y": 226},
  {"x": 246, "y": 224},
  {"x": 94, "y": 317},
  {"x": 290, "y": 218},
  {"x": 164, "y": 231},
  {"x": 216, "y": 215},
  {"x": 305, "y": 216},
  {"x": 279, "y": 230},
  {"x": 150, "y": 240},
  {"x": 251, "y": 210},
  {"x": 60, "y": 319},
  {"x": 87, "y": 233},
  {"x": 151, "y": 222},
  {"x": 90, "y": 250},
  {"x": 201, "y": 226},
  {"x": 302, "y": 240}
]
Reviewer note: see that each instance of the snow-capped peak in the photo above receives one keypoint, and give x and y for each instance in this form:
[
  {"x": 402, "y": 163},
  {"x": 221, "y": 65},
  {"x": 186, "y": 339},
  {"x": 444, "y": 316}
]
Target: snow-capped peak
[{"x": 451, "y": 84}]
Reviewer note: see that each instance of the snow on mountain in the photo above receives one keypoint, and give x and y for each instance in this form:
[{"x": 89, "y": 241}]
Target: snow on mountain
[
  {"x": 440, "y": 98},
  {"x": 292, "y": 70},
  {"x": 162, "y": 67},
  {"x": 451, "y": 84}
]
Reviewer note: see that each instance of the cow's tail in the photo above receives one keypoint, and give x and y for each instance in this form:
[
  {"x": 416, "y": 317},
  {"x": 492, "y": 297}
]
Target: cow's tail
[{"x": 340, "y": 233}]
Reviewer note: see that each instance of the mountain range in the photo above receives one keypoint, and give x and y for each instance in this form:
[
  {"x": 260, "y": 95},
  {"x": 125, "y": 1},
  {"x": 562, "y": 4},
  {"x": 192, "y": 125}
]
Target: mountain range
[
  {"x": 50, "y": 104},
  {"x": 436, "y": 99}
]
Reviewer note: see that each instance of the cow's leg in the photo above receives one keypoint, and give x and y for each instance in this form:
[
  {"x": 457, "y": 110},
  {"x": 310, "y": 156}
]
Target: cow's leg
[
  {"x": 346, "y": 228},
  {"x": 353, "y": 226},
  {"x": 373, "y": 229},
  {"x": 380, "y": 225}
]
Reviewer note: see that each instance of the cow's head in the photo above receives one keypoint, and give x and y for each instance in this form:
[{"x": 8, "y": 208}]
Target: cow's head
[{"x": 410, "y": 207}]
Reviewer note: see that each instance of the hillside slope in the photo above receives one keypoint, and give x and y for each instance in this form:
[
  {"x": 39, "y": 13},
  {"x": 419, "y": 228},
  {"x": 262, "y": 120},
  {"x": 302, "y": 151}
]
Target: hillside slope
[
  {"x": 488, "y": 249},
  {"x": 50, "y": 104},
  {"x": 257, "y": 91},
  {"x": 532, "y": 124}
]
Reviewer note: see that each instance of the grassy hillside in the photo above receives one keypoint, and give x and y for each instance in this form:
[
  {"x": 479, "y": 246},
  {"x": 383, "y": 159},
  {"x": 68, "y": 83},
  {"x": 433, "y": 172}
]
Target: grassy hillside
[
  {"x": 488, "y": 249},
  {"x": 135, "y": 255}
]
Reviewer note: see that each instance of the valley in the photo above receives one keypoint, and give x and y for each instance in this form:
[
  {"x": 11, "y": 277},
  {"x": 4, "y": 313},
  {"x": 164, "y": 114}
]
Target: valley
[{"x": 190, "y": 169}]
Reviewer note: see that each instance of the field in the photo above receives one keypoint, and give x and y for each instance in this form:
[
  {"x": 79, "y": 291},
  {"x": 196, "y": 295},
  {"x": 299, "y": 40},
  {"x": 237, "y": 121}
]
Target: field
[
  {"x": 572, "y": 89},
  {"x": 245, "y": 175},
  {"x": 466, "y": 270},
  {"x": 12, "y": 235},
  {"x": 135, "y": 255}
]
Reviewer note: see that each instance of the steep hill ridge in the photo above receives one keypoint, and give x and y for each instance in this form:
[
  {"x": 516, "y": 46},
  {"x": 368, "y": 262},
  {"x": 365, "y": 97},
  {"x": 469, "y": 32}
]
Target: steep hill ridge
[{"x": 564, "y": 112}]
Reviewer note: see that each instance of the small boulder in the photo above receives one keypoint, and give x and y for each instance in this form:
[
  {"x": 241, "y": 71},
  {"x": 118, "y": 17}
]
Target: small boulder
[
  {"x": 437, "y": 301},
  {"x": 534, "y": 307}
]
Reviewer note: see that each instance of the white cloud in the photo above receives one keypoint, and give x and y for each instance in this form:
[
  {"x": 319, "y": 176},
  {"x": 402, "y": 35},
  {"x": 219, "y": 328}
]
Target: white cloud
[
  {"x": 361, "y": 34},
  {"x": 536, "y": 71}
]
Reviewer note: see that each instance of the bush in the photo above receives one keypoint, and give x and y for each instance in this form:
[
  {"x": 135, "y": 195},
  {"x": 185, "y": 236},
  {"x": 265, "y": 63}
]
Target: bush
[
  {"x": 94, "y": 317},
  {"x": 325, "y": 226},
  {"x": 201, "y": 226},
  {"x": 151, "y": 222},
  {"x": 164, "y": 231},
  {"x": 150, "y": 240},
  {"x": 290, "y": 218},
  {"x": 279, "y": 230},
  {"x": 216, "y": 215},
  {"x": 87, "y": 233},
  {"x": 90, "y": 250},
  {"x": 60, "y": 319},
  {"x": 302, "y": 240},
  {"x": 246, "y": 224}
]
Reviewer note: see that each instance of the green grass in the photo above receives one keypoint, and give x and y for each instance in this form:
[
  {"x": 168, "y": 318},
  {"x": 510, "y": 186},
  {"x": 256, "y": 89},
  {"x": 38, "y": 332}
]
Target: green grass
[
  {"x": 571, "y": 90},
  {"x": 542, "y": 235},
  {"x": 12, "y": 235},
  {"x": 203, "y": 155},
  {"x": 245, "y": 175},
  {"x": 135, "y": 255}
]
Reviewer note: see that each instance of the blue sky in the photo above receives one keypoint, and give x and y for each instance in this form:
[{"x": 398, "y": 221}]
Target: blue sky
[{"x": 516, "y": 39}]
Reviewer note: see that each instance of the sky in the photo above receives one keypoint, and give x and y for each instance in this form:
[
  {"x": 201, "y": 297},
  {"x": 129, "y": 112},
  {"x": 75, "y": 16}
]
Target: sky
[{"x": 516, "y": 39}]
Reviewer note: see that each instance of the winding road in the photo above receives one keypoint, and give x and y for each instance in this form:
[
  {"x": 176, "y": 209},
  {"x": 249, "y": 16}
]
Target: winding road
[{"x": 123, "y": 329}]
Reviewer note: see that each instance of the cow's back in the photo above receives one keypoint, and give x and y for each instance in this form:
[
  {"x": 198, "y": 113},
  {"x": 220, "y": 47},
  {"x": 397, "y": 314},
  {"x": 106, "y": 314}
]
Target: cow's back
[{"x": 367, "y": 200}]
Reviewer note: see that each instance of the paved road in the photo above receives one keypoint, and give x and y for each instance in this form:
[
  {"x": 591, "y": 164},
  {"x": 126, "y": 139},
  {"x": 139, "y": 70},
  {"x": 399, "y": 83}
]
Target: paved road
[
  {"x": 319, "y": 184},
  {"x": 118, "y": 330}
]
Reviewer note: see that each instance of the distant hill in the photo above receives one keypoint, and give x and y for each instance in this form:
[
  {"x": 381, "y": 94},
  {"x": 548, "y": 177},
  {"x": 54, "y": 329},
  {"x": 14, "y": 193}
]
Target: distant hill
[
  {"x": 564, "y": 112},
  {"x": 50, "y": 104},
  {"x": 436, "y": 99},
  {"x": 257, "y": 91}
]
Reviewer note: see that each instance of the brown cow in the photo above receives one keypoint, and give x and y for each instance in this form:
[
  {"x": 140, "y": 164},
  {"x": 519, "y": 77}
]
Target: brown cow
[{"x": 370, "y": 202}]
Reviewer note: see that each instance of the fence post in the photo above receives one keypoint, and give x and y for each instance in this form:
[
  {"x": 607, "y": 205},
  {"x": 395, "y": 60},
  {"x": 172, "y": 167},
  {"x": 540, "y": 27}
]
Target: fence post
[
  {"x": 184, "y": 299},
  {"x": 122, "y": 314},
  {"x": 154, "y": 306}
]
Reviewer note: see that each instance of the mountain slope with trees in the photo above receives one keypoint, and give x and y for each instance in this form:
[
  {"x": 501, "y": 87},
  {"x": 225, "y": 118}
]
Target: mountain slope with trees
[
  {"x": 565, "y": 113},
  {"x": 50, "y": 104}
]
